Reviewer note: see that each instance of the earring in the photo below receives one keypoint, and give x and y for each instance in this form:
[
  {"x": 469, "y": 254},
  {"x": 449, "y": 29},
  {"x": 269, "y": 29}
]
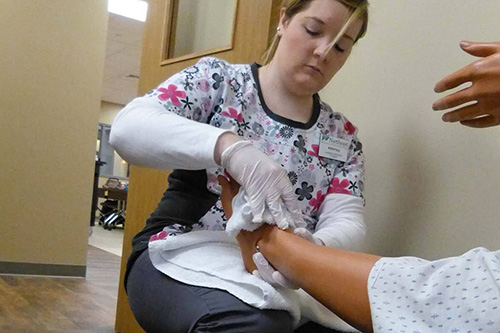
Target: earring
[{"x": 278, "y": 29}]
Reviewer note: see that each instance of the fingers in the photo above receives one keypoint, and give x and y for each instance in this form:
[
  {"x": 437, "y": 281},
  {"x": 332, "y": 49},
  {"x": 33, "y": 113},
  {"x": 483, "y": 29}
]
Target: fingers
[
  {"x": 267, "y": 273},
  {"x": 276, "y": 209},
  {"x": 480, "y": 49},
  {"x": 464, "y": 75},
  {"x": 486, "y": 121},
  {"x": 283, "y": 281},
  {"x": 290, "y": 201},
  {"x": 455, "y": 99},
  {"x": 265, "y": 269},
  {"x": 463, "y": 114},
  {"x": 304, "y": 233},
  {"x": 454, "y": 79}
]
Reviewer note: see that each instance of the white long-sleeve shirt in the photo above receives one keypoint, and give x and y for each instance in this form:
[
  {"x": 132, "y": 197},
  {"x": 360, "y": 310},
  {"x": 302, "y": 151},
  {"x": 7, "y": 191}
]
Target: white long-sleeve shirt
[{"x": 176, "y": 126}]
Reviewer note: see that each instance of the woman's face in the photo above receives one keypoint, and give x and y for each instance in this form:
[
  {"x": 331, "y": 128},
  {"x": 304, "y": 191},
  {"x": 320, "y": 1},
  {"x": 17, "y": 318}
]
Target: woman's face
[{"x": 305, "y": 63}]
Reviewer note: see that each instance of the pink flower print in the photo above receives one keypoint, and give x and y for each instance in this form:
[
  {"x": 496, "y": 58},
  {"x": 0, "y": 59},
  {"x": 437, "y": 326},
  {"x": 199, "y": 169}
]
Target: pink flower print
[
  {"x": 233, "y": 113},
  {"x": 203, "y": 85},
  {"x": 316, "y": 202},
  {"x": 314, "y": 151},
  {"x": 171, "y": 93},
  {"x": 337, "y": 186},
  {"x": 159, "y": 236},
  {"x": 349, "y": 127}
]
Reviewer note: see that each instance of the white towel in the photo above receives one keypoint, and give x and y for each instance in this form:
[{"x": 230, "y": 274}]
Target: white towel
[
  {"x": 242, "y": 216},
  {"x": 213, "y": 259}
]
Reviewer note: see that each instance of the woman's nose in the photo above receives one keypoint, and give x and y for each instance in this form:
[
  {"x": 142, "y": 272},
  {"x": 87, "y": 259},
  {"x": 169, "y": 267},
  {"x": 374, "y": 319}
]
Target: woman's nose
[{"x": 321, "y": 51}]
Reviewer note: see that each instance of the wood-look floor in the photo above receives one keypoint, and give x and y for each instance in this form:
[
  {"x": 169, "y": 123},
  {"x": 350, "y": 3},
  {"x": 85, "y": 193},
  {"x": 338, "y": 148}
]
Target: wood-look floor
[{"x": 46, "y": 304}]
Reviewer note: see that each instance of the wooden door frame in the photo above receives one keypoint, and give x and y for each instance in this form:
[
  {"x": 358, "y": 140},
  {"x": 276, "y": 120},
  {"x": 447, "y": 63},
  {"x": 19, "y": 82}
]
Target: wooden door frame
[{"x": 255, "y": 23}]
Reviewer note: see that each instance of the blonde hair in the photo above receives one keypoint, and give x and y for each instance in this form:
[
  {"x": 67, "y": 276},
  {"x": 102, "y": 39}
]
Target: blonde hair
[{"x": 292, "y": 7}]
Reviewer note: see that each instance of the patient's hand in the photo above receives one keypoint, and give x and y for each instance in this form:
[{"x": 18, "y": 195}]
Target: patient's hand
[
  {"x": 247, "y": 240},
  {"x": 484, "y": 74}
]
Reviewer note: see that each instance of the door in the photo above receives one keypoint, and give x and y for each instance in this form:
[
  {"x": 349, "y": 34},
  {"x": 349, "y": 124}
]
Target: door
[{"x": 253, "y": 27}]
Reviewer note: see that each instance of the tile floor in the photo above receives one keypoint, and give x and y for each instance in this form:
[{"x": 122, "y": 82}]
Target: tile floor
[{"x": 107, "y": 240}]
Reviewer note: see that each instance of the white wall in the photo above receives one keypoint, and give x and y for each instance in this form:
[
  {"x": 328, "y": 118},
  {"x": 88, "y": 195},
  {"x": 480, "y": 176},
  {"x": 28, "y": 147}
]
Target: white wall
[{"x": 432, "y": 189}]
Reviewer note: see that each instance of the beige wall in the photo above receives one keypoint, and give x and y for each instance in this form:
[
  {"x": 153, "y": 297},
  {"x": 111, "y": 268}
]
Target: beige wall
[
  {"x": 432, "y": 189},
  {"x": 52, "y": 56},
  {"x": 109, "y": 112}
]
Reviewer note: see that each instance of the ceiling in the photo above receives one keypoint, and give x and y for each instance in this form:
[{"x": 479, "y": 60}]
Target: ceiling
[{"x": 123, "y": 54}]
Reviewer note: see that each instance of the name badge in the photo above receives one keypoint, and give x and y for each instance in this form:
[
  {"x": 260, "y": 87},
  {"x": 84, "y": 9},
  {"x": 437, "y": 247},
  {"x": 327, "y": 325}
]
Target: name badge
[{"x": 334, "y": 148}]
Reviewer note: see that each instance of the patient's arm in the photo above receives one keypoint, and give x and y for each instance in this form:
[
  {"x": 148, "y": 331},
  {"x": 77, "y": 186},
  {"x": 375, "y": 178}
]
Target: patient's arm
[{"x": 336, "y": 278}]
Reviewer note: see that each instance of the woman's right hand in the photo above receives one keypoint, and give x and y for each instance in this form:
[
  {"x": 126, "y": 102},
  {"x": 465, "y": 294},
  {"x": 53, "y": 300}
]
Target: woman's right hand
[{"x": 265, "y": 182}]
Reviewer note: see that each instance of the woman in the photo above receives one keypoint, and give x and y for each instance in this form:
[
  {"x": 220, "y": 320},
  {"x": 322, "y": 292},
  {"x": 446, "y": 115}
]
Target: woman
[
  {"x": 456, "y": 294},
  {"x": 267, "y": 127}
]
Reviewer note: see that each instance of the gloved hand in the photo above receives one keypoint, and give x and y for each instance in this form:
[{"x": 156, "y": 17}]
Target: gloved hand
[
  {"x": 267, "y": 273},
  {"x": 265, "y": 182},
  {"x": 484, "y": 74},
  {"x": 307, "y": 235}
]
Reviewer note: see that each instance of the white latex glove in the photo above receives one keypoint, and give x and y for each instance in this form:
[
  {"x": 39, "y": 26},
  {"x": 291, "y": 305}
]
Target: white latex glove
[
  {"x": 307, "y": 235},
  {"x": 267, "y": 273},
  {"x": 265, "y": 182}
]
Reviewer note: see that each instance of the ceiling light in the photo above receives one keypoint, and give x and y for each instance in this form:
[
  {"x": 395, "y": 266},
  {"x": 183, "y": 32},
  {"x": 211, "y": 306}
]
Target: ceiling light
[{"x": 134, "y": 9}]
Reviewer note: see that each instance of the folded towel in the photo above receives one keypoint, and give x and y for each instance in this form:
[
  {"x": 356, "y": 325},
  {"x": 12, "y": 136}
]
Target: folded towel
[{"x": 212, "y": 259}]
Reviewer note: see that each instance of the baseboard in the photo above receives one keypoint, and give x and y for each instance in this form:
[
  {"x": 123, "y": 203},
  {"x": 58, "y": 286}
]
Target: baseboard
[{"x": 23, "y": 268}]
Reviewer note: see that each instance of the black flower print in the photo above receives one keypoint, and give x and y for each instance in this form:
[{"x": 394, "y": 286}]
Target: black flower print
[
  {"x": 188, "y": 85},
  {"x": 187, "y": 103},
  {"x": 257, "y": 128},
  {"x": 185, "y": 228},
  {"x": 234, "y": 84},
  {"x": 244, "y": 125},
  {"x": 300, "y": 143},
  {"x": 286, "y": 132},
  {"x": 353, "y": 185},
  {"x": 305, "y": 191},
  {"x": 292, "y": 175},
  {"x": 218, "y": 80},
  {"x": 214, "y": 64},
  {"x": 357, "y": 146},
  {"x": 246, "y": 77},
  {"x": 344, "y": 171},
  {"x": 243, "y": 103}
]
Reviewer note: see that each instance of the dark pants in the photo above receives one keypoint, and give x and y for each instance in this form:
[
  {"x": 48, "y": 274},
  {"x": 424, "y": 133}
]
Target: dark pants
[{"x": 162, "y": 304}]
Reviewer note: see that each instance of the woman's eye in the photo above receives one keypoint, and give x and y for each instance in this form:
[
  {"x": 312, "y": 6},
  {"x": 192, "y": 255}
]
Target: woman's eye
[
  {"x": 338, "y": 48},
  {"x": 312, "y": 32}
]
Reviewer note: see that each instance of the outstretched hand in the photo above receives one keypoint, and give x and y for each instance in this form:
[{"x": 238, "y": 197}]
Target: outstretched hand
[{"x": 484, "y": 74}]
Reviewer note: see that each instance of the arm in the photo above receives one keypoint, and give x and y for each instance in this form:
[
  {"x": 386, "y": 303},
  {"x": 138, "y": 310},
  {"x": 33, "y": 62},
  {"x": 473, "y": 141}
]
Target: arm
[
  {"x": 336, "y": 278},
  {"x": 484, "y": 74},
  {"x": 341, "y": 214},
  {"x": 168, "y": 127}
]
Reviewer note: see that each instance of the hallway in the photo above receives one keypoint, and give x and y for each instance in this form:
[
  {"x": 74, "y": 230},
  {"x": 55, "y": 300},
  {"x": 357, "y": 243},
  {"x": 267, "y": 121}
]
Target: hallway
[{"x": 46, "y": 304}]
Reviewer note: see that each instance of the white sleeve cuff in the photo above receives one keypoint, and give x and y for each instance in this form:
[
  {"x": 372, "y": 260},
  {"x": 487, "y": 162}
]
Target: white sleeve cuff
[{"x": 341, "y": 221}]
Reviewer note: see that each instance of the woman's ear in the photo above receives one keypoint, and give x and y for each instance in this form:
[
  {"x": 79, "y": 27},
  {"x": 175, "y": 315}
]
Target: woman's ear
[{"x": 282, "y": 22}]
